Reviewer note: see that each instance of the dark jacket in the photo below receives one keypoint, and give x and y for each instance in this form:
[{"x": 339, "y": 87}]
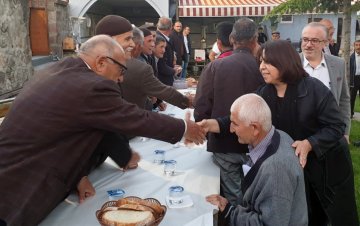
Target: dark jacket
[
  {"x": 221, "y": 82},
  {"x": 165, "y": 65},
  {"x": 52, "y": 130},
  {"x": 177, "y": 41},
  {"x": 140, "y": 83},
  {"x": 328, "y": 169},
  {"x": 352, "y": 69}
]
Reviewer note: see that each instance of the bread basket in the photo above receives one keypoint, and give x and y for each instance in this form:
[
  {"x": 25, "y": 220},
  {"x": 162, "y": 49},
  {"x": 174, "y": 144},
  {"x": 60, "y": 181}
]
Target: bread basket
[{"x": 158, "y": 209}]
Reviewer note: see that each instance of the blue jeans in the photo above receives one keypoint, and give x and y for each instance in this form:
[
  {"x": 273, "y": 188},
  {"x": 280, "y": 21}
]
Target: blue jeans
[{"x": 184, "y": 66}]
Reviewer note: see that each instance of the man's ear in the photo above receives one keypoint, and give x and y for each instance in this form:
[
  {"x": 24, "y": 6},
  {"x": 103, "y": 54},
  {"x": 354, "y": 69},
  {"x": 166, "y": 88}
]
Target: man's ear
[
  {"x": 100, "y": 64},
  {"x": 257, "y": 128}
]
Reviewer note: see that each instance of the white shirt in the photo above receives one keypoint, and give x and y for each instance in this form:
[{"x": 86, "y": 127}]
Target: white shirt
[
  {"x": 216, "y": 50},
  {"x": 321, "y": 71},
  {"x": 357, "y": 60},
  {"x": 186, "y": 44}
]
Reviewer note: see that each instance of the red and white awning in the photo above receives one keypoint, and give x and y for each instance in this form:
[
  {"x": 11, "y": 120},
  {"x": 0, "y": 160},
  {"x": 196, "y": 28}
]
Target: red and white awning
[{"x": 226, "y": 8}]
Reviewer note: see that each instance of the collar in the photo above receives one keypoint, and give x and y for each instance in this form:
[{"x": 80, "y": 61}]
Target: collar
[
  {"x": 256, "y": 152},
  {"x": 86, "y": 64},
  {"x": 165, "y": 36},
  {"x": 322, "y": 62}
]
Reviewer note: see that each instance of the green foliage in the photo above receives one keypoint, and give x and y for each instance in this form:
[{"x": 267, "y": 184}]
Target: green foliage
[
  {"x": 304, "y": 6},
  {"x": 355, "y": 156}
]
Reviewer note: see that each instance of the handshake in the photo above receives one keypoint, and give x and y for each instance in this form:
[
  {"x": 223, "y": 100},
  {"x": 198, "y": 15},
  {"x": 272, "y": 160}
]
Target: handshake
[{"x": 196, "y": 131}]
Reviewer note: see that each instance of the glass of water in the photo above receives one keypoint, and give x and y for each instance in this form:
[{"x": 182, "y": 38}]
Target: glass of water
[
  {"x": 159, "y": 156},
  {"x": 176, "y": 194},
  {"x": 169, "y": 167}
]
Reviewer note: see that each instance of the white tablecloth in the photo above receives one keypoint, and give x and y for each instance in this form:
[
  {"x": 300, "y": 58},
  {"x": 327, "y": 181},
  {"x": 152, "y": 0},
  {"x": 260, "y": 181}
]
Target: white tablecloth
[{"x": 195, "y": 172}]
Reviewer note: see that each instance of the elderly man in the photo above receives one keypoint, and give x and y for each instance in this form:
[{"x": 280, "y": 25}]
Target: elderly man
[
  {"x": 139, "y": 80},
  {"x": 330, "y": 47},
  {"x": 221, "y": 82},
  {"x": 166, "y": 70},
  {"x": 49, "y": 139},
  {"x": 274, "y": 187},
  {"x": 330, "y": 70}
]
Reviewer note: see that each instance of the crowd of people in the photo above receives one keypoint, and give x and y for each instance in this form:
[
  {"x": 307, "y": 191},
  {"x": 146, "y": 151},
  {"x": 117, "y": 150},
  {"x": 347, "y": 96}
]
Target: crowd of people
[{"x": 277, "y": 122}]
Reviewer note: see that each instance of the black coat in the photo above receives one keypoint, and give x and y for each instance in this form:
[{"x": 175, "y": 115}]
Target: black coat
[
  {"x": 352, "y": 69},
  {"x": 165, "y": 65},
  {"x": 329, "y": 169},
  {"x": 221, "y": 82}
]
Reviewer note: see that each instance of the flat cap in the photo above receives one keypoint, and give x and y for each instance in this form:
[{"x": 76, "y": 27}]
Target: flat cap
[
  {"x": 113, "y": 25},
  {"x": 275, "y": 32}
]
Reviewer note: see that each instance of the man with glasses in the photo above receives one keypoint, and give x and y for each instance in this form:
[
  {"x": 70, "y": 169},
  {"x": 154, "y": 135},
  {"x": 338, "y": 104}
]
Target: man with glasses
[
  {"x": 330, "y": 70},
  {"x": 53, "y": 135}
]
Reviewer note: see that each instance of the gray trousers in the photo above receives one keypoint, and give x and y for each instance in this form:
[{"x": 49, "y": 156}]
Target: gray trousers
[{"x": 231, "y": 175}]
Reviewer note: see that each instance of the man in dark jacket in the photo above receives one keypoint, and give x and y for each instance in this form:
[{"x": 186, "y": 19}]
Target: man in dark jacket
[
  {"x": 177, "y": 40},
  {"x": 354, "y": 75},
  {"x": 221, "y": 82},
  {"x": 49, "y": 138},
  {"x": 166, "y": 70}
]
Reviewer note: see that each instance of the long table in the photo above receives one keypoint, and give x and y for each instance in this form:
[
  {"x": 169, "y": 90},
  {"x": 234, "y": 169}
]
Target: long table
[{"x": 195, "y": 171}]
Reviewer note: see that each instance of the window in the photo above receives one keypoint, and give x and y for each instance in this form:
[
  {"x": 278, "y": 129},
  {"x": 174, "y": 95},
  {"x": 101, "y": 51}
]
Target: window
[
  {"x": 286, "y": 19},
  {"x": 314, "y": 19}
]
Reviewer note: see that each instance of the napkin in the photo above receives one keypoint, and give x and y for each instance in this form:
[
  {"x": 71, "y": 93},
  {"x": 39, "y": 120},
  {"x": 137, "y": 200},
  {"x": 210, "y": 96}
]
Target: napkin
[{"x": 187, "y": 202}]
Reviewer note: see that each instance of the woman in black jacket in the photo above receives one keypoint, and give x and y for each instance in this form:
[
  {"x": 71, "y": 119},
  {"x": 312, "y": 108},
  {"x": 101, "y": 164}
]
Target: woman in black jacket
[{"x": 306, "y": 109}]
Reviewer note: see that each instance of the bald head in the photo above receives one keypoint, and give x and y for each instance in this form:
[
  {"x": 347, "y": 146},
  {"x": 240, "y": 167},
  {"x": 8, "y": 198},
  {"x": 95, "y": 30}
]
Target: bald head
[
  {"x": 252, "y": 108},
  {"x": 104, "y": 56},
  {"x": 329, "y": 26}
]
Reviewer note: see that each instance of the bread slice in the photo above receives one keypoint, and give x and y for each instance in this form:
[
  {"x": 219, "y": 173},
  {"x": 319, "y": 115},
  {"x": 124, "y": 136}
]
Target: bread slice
[{"x": 127, "y": 217}]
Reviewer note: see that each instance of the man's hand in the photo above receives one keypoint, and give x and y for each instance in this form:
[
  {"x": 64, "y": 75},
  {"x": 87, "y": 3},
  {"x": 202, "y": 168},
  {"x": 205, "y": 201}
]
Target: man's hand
[
  {"x": 217, "y": 200},
  {"x": 190, "y": 98},
  {"x": 133, "y": 162},
  {"x": 210, "y": 125},
  {"x": 85, "y": 189},
  {"x": 302, "y": 149},
  {"x": 162, "y": 106},
  {"x": 194, "y": 133}
]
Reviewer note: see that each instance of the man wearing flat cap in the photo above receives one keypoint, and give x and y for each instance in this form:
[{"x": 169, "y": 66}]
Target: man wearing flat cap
[
  {"x": 275, "y": 35},
  {"x": 64, "y": 123},
  {"x": 119, "y": 29}
]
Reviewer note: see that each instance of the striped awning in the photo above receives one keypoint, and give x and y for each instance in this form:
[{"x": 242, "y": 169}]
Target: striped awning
[{"x": 226, "y": 8}]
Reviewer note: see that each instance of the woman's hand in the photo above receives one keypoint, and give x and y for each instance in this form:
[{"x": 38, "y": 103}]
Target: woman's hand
[{"x": 302, "y": 149}]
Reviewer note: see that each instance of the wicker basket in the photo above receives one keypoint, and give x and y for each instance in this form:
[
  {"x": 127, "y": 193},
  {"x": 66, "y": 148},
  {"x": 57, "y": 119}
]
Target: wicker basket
[{"x": 158, "y": 209}]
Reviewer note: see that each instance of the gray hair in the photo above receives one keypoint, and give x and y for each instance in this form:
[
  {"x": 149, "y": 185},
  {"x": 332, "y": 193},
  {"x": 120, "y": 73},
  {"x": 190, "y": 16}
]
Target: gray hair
[
  {"x": 164, "y": 24},
  {"x": 244, "y": 30},
  {"x": 253, "y": 108},
  {"x": 103, "y": 43},
  {"x": 317, "y": 25},
  {"x": 138, "y": 36}
]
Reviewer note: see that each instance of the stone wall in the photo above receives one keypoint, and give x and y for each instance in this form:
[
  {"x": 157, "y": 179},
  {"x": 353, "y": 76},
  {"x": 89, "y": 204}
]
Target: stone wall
[
  {"x": 15, "y": 53},
  {"x": 59, "y": 26}
]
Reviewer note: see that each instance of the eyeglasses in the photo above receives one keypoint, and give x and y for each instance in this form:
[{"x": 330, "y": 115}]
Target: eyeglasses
[
  {"x": 123, "y": 68},
  {"x": 312, "y": 41}
]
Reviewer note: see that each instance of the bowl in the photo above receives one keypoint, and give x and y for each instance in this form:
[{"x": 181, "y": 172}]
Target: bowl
[{"x": 158, "y": 210}]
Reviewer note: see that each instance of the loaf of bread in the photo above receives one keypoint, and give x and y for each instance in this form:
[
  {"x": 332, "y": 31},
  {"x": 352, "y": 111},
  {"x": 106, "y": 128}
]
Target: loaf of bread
[{"x": 123, "y": 217}]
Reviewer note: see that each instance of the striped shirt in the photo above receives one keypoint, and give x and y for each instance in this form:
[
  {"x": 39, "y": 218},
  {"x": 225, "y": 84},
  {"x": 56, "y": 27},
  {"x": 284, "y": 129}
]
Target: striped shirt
[{"x": 256, "y": 152}]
